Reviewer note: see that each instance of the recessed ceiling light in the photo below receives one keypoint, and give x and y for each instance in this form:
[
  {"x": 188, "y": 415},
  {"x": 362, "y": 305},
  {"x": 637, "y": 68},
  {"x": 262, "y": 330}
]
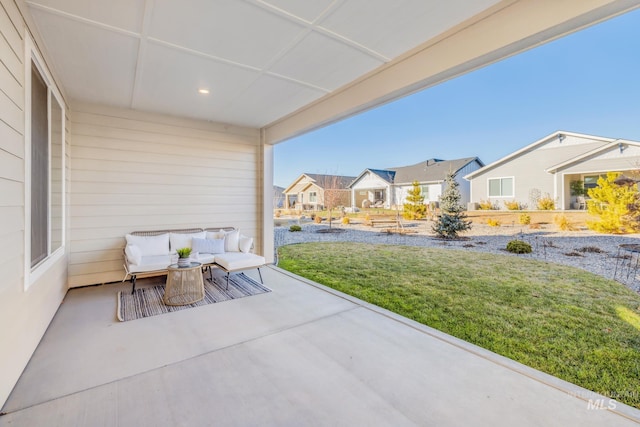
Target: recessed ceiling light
[{"x": 203, "y": 91}]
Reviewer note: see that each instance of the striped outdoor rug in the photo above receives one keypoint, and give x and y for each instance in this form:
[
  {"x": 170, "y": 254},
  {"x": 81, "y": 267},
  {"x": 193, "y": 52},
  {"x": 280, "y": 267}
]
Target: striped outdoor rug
[{"x": 147, "y": 302}]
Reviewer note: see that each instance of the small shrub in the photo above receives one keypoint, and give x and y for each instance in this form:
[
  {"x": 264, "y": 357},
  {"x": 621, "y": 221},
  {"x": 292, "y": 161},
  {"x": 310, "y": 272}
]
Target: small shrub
[
  {"x": 493, "y": 222},
  {"x": 295, "y": 228},
  {"x": 367, "y": 218},
  {"x": 278, "y": 213},
  {"x": 317, "y": 219},
  {"x": 546, "y": 203},
  {"x": 346, "y": 220},
  {"x": 518, "y": 247},
  {"x": 535, "y": 226},
  {"x": 485, "y": 205},
  {"x": 524, "y": 219},
  {"x": 563, "y": 223},
  {"x": 616, "y": 206},
  {"x": 512, "y": 205}
]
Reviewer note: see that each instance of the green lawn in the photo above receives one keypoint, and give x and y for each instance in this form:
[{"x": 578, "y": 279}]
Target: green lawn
[{"x": 561, "y": 320}]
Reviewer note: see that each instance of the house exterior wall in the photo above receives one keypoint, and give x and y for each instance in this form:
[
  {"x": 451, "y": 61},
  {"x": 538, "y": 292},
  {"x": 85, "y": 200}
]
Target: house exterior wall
[
  {"x": 25, "y": 314},
  {"x": 434, "y": 189},
  {"x": 139, "y": 171},
  {"x": 463, "y": 185},
  {"x": 369, "y": 182},
  {"x": 432, "y": 194},
  {"x": 304, "y": 197},
  {"x": 613, "y": 160},
  {"x": 528, "y": 171}
]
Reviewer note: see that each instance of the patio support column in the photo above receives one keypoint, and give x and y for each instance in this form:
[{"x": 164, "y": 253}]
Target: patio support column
[{"x": 266, "y": 207}]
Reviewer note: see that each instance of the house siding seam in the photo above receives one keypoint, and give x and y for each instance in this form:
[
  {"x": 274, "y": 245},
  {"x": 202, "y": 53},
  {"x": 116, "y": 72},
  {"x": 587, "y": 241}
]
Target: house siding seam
[
  {"x": 150, "y": 173},
  {"x": 28, "y": 313}
]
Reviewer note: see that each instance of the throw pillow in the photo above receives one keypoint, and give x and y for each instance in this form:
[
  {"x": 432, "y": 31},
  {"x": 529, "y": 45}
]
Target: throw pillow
[
  {"x": 183, "y": 240},
  {"x": 231, "y": 241},
  {"x": 150, "y": 245},
  {"x": 208, "y": 246},
  {"x": 133, "y": 254},
  {"x": 245, "y": 243}
]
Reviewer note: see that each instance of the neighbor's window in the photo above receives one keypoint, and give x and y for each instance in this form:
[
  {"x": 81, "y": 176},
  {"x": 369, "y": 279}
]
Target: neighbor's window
[
  {"x": 501, "y": 187},
  {"x": 425, "y": 191},
  {"x": 591, "y": 181},
  {"x": 46, "y": 169},
  {"x": 313, "y": 197}
]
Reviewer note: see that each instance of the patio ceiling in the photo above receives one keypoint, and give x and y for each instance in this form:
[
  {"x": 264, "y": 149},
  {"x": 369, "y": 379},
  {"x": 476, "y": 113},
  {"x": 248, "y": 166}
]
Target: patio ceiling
[{"x": 265, "y": 60}]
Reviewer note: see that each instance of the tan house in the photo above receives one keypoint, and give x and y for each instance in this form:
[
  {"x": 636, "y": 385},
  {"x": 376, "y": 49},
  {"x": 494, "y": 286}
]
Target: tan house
[
  {"x": 129, "y": 115},
  {"x": 315, "y": 191}
]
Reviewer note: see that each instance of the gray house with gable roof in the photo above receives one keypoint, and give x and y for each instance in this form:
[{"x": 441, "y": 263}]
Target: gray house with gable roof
[{"x": 389, "y": 187}]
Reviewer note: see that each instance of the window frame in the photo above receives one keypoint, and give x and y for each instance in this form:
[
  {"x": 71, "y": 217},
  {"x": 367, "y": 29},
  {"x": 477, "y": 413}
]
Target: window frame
[
  {"x": 313, "y": 197},
  {"x": 502, "y": 195},
  {"x": 34, "y": 273}
]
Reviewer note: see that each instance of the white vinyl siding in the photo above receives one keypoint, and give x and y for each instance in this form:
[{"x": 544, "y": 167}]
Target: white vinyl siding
[
  {"x": 26, "y": 314},
  {"x": 136, "y": 171},
  {"x": 501, "y": 187}
]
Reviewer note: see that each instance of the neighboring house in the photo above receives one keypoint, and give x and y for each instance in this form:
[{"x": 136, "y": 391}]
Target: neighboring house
[
  {"x": 312, "y": 191},
  {"x": 549, "y": 166},
  {"x": 389, "y": 187}
]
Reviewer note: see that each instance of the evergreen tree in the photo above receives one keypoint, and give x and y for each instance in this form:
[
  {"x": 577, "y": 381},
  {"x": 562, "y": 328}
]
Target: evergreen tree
[
  {"x": 617, "y": 206},
  {"x": 414, "y": 208},
  {"x": 452, "y": 219}
]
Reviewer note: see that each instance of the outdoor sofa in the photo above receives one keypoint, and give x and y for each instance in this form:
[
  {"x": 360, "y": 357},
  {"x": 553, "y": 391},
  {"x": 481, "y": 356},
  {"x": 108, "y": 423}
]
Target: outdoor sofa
[{"x": 149, "y": 253}]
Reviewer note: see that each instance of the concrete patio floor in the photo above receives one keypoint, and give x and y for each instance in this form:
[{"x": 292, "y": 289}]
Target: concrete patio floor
[{"x": 300, "y": 355}]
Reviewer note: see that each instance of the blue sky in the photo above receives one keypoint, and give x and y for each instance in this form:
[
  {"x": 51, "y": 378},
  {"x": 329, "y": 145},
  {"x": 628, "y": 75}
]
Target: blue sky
[{"x": 587, "y": 82}]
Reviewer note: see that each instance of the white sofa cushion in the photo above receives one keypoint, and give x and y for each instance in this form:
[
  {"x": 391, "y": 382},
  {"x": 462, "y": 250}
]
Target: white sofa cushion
[
  {"x": 134, "y": 256},
  {"x": 151, "y": 263},
  {"x": 232, "y": 261},
  {"x": 231, "y": 239},
  {"x": 183, "y": 240},
  {"x": 204, "y": 258},
  {"x": 215, "y": 234},
  {"x": 245, "y": 243},
  {"x": 150, "y": 245},
  {"x": 208, "y": 246}
]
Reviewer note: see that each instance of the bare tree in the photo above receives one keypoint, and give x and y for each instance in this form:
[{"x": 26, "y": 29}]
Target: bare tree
[{"x": 334, "y": 194}]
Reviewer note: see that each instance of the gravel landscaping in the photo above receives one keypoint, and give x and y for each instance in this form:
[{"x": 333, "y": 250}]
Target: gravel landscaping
[{"x": 597, "y": 253}]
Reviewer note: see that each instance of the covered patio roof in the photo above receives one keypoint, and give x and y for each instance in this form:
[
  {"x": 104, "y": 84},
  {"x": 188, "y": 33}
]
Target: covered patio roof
[
  {"x": 285, "y": 66},
  {"x": 300, "y": 355}
]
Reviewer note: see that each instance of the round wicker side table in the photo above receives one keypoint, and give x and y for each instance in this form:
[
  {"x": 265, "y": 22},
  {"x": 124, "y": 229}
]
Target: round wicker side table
[{"x": 184, "y": 284}]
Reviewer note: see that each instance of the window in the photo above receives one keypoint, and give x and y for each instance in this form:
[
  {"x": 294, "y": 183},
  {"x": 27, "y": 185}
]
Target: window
[
  {"x": 591, "y": 181},
  {"x": 44, "y": 189},
  {"x": 425, "y": 191},
  {"x": 378, "y": 195},
  {"x": 501, "y": 187},
  {"x": 313, "y": 197}
]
